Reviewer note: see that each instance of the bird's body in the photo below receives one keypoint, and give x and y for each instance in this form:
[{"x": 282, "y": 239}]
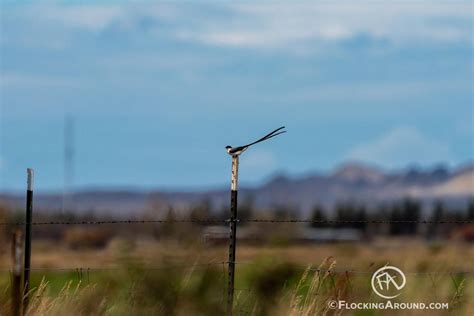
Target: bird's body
[{"x": 235, "y": 151}]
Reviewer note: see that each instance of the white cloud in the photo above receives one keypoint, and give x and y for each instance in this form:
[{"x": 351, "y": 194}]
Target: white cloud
[
  {"x": 269, "y": 25},
  {"x": 89, "y": 17},
  {"x": 400, "y": 147},
  {"x": 95, "y": 17},
  {"x": 282, "y": 24}
]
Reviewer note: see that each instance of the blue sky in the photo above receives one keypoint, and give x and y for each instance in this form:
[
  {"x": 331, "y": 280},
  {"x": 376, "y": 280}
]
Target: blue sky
[{"x": 158, "y": 90}]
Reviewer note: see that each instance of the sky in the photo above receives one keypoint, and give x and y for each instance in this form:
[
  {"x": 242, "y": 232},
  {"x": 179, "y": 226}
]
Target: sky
[{"x": 157, "y": 90}]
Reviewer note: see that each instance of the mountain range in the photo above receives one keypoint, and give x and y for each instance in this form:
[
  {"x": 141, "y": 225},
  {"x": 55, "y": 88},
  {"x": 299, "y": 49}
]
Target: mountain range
[{"x": 354, "y": 182}]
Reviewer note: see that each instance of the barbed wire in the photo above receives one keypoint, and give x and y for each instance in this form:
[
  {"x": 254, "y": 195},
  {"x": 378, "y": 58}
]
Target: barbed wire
[
  {"x": 114, "y": 268},
  {"x": 214, "y": 263},
  {"x": 351, "y": 270},
  {"x": 309, "y": 221},
  {"x": 107, "y": 222},
  {"x": 224, "y": 221}
]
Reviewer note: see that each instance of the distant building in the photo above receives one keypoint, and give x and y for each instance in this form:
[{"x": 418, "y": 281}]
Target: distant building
[
  {"x": 330, "y": 235},
  {"x": 214, "y": 235}
]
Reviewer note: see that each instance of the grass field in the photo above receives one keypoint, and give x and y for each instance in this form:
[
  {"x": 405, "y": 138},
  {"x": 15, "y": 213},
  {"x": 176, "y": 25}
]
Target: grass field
[{"x": 144, "y": 277}]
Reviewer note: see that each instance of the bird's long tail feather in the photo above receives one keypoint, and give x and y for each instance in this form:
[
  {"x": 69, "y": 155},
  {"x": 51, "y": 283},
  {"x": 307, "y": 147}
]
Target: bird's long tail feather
[{"x": 268, "y": 136}]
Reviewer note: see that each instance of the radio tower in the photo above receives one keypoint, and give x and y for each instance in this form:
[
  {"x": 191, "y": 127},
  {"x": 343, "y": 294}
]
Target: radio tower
[{"x": 68, "y": 163}]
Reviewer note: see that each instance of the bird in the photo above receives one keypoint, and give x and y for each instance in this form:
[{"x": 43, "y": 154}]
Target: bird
[{"x": 235, "y": 151}]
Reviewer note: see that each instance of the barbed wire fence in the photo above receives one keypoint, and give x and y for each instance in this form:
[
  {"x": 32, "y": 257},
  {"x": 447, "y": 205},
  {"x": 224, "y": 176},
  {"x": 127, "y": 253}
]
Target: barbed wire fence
[
  {"x": 84, "y": 272},
  {"x": 226, "y": 221},
  {"x": 220, "y": 263},
  {"x": 232, "y": 222}
]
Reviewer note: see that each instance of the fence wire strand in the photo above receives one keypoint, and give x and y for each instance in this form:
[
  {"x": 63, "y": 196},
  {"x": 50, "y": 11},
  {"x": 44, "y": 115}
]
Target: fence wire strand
[
  {"x": 226, "y": 221},
  {"x": 223, "y": 263}
]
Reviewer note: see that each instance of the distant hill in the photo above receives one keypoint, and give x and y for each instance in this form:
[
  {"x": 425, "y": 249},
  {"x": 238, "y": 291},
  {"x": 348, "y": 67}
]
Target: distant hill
[{"x": 350, "y": 182}]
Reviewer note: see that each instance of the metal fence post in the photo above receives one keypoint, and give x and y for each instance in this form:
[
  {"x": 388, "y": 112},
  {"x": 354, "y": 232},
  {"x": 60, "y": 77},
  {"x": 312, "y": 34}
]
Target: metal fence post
[
  {"x": 235, "y": 152},
  {"x": 16, "y": 280},
  {"x": 233, "y": 233},
  {"x": 29, "y": 217}
]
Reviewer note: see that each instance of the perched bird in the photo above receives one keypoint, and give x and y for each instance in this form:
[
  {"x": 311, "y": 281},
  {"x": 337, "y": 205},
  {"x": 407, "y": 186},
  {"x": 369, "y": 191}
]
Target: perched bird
[{"x": 235, "y": 151}]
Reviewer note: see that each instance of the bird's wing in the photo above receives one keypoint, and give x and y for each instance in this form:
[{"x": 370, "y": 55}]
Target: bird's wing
[{"x": 237, "y": 149}]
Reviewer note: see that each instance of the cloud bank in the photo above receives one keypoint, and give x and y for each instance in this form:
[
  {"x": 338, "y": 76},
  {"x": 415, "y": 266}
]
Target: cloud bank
[{"x": 400, "y": 147}]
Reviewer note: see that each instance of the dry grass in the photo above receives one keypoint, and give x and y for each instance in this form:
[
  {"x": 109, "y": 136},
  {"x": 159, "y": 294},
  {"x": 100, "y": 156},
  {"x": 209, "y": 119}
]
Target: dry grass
[
  {"x": 412, "y": 255},
  {"x": 273, "y": 280},
  {"x": 275, "y": 289}
]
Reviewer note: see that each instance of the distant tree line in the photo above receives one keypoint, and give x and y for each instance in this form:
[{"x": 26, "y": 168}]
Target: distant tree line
[
  {"x": 402, "y": 218},
  {"x": 398, "y": 219}
]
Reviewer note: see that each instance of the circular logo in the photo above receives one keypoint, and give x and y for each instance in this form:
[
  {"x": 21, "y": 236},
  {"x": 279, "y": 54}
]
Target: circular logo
[{"x": 387, "y": 282}]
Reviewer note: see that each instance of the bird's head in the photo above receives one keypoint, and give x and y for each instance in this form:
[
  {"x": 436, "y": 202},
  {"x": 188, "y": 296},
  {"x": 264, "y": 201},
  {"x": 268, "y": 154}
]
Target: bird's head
[{"x": 228, "y": 147}]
